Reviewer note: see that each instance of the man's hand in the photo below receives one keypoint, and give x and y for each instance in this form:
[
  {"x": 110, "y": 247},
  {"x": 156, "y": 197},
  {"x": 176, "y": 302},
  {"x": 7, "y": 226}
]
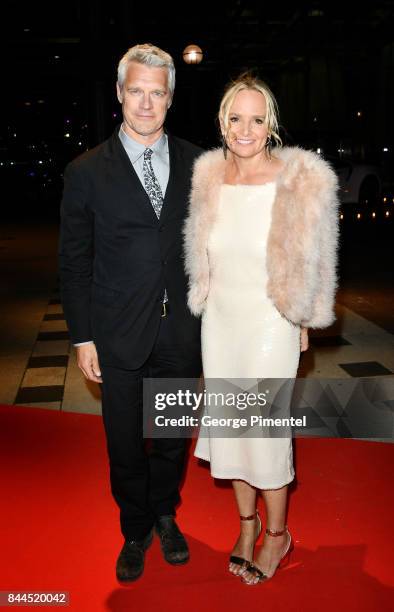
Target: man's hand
[
  {"x": 88, "y": 362},
  {"x": 304, "y": 339}
]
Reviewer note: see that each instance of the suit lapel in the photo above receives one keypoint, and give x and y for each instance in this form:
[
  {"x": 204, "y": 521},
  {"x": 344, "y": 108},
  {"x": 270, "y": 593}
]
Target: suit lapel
[{"x": 123, "y": 171}]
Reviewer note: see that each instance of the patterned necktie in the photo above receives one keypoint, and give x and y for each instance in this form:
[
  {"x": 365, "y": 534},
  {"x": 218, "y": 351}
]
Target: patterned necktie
[
  {"x": 153, "y": 190},
  {"x": 152, "y": 186}
]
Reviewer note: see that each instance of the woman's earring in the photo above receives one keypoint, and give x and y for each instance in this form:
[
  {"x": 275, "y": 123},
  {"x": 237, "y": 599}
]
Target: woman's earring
[
  {"x": 268, "y": 146},
  {"x": 224, "y": 147}
]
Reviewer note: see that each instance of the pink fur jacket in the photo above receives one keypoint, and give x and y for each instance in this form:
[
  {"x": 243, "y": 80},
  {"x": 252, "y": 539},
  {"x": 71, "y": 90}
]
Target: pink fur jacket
[{"x": 301, "y": 255}]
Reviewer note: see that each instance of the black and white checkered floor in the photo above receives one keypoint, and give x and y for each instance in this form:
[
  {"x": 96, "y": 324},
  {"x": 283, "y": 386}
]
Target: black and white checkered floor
[
  {"x": 38, "y": 365},
  {"x": 52, "y": 379}
]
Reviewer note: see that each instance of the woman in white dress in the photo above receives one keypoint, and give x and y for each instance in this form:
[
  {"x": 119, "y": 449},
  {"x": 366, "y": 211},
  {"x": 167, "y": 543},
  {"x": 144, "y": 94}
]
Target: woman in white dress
[{"x": 261, "y": 254}]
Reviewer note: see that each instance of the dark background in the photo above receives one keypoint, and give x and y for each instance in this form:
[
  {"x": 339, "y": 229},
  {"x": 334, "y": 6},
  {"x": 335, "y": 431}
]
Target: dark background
[{"x": 330, "y": 65}]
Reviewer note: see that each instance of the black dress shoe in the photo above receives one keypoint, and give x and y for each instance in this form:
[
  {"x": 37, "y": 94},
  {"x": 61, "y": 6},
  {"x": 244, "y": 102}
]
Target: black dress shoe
[
  {"x": 173, "y": 543},
  {"x": 130, "y": 563}
]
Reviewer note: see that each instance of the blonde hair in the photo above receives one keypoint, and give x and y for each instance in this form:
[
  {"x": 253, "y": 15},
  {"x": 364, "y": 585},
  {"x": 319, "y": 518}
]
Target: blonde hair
[{"x": 248, "y": 81}]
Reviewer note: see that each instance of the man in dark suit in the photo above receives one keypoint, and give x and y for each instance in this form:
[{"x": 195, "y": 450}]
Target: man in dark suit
[{"x": 124, "y": 294}]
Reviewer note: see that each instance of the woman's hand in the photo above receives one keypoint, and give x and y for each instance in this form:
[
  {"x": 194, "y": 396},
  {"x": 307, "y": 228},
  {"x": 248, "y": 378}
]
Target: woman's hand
[{"x": 304, "y": 339}]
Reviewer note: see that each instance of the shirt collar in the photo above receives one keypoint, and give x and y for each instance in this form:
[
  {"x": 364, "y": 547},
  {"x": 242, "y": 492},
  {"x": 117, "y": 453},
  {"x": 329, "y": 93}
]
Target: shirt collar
[{"x": 135, "y": 149}]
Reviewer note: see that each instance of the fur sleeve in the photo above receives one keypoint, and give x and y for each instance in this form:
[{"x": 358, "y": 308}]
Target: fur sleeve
[
  {"x": 323, "y": 313},
  {"x": 195, "y": 244}
]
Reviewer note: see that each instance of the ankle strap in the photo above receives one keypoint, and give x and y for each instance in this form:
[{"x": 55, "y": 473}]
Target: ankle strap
[
  {"x": 275, "y": 533},
  {"x": 249, "y": 518}
]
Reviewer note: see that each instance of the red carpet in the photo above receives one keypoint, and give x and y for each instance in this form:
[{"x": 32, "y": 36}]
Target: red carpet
[{"x": 59, "y": 526}]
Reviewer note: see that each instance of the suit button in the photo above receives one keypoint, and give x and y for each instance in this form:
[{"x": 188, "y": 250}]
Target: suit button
[
  {"x": 161, "y": 228},
  {"x": 164, "y": 262}
]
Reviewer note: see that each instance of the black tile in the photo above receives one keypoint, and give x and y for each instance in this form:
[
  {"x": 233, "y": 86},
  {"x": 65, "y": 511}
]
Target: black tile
[
  {"x": 365, "y": 368},
  {"x": 48, "y": 361},
  {"x": 54, "y": 317},
  {"x": 328, "y": 341},
  {"x": 55, "y": 335},
  {"x": 27, "y": 395}
]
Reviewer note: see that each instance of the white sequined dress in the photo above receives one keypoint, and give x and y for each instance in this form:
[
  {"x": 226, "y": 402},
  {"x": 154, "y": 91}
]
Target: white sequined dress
[{"x": 243, "y": 334}]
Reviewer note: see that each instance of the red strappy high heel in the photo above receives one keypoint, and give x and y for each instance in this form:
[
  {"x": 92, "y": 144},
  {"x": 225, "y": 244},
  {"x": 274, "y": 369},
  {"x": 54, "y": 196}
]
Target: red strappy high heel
[
  {"x": 244, "y": 563},
  {"x": 258, "y": 573}
]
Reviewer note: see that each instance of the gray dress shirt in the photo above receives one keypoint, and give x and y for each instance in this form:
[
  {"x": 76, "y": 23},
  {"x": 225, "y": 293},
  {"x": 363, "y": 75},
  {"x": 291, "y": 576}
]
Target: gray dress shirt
[{"x": 160, "y": 157}]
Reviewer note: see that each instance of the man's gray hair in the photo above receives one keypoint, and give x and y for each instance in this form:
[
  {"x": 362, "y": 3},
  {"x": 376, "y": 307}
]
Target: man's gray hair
[{"x": 150, "y": 56}]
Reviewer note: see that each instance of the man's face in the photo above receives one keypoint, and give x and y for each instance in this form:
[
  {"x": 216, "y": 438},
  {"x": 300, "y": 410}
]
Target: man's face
[{"x": 145, "y": 99}]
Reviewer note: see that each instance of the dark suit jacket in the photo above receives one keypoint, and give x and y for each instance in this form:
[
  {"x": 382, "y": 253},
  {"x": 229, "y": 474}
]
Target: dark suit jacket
[{"x": 116, "y": 257}]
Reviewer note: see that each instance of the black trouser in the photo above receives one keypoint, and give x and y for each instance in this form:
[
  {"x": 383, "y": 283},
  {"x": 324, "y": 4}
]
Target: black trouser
[{"x": 145, "y": 484}]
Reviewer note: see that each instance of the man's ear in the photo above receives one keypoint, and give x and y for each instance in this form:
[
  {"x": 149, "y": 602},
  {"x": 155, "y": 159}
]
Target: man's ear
[
  {"x": 169, "y": 103},
  {"x": 119, "y": 93}
]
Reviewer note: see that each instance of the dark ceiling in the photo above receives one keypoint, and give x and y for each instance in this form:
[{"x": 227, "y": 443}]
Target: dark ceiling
[
  {"x": 56, "y": 39},
  {"x": 65, "y": 54}
]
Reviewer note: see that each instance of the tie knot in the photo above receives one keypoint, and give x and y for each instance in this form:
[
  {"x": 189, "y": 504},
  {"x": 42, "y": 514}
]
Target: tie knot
[{"x": 148, "y": 154}]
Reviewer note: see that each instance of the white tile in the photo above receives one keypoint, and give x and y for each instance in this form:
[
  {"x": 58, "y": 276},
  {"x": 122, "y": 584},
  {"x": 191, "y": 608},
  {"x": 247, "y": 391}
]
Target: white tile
[
  {"x": 81, "y": 402},
  {"x": 50, "y": 326},
  {"x": 54, "y": 309},
  {"x": 43, "y": 377},
  {"x": 51, "y": 347}
]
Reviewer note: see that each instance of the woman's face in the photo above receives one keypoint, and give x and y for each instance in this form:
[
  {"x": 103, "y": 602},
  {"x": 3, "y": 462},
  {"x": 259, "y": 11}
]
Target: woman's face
[{"x": 246, "y": 133}]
